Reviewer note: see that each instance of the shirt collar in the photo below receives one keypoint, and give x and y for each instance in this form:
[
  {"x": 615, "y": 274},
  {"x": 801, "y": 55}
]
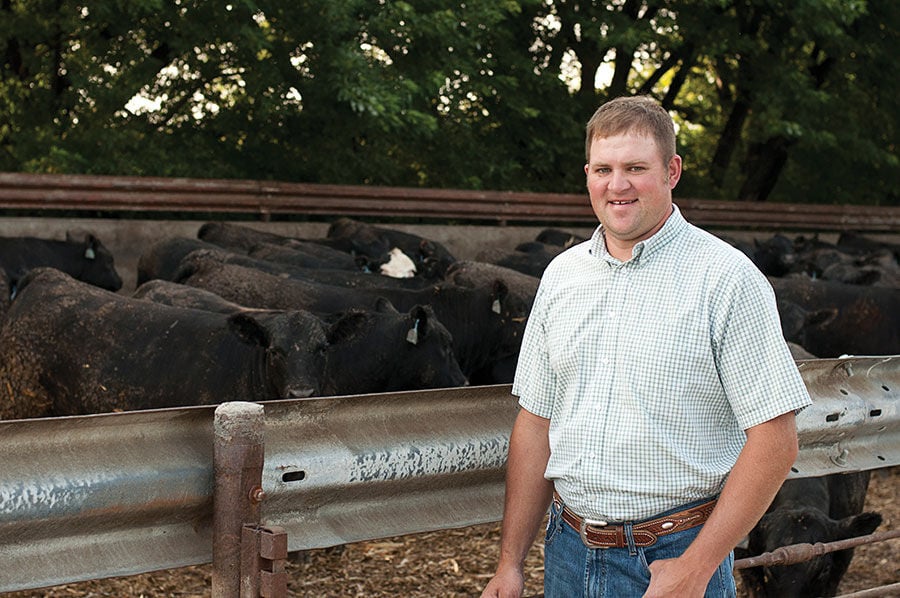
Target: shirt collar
[{"x": 672, "y": 227}]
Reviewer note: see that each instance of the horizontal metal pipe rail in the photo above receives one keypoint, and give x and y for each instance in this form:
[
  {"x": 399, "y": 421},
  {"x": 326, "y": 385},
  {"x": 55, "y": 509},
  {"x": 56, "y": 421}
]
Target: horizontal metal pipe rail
[
  {"x": 263, "y": 199},
  {"x": 793, "y": 554},
  {"x": 123, "y": 493}
]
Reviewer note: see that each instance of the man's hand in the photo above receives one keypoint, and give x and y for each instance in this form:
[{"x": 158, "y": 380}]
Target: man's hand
[
  {"x": 507, "y": 583},
  {"x": 669, "y": 577}
]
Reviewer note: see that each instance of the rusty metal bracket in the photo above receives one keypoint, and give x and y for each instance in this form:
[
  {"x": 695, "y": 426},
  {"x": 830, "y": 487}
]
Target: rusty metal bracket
[{"x": 264, "y": 551}]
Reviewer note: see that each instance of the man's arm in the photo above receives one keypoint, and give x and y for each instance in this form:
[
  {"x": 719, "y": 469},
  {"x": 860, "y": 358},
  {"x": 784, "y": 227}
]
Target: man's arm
[
  {"x": 528, "y": 495},
  {"x": 761, "y": 468}
]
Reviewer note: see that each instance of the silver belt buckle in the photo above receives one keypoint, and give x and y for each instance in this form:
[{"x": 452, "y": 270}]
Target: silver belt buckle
[{"x": 585, "y": 522}]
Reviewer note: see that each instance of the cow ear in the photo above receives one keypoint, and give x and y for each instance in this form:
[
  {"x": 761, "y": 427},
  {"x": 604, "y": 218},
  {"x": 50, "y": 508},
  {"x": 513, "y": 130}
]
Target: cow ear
[
  {"x": 499, "y": 293},
  {"x": 347, "y": 327},
  {"x": 419, "y": 316},
  {"x": 249, "y": 329},
  {"x": 85, "y": 238},
  {"x": 858, "y": 525},
  {"x": 383, "y": 305},
  {"x": 426, "y": 248}
]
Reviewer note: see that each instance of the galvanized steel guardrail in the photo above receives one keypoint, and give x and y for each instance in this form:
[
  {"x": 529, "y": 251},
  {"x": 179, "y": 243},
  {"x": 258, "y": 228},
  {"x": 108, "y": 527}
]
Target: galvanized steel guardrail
[{"x": 116, "y": 494}]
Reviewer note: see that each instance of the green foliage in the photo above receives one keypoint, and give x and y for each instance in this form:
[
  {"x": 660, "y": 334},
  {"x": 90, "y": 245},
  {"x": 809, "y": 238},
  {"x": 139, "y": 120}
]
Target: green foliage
[{"x": 787, "y": 101}]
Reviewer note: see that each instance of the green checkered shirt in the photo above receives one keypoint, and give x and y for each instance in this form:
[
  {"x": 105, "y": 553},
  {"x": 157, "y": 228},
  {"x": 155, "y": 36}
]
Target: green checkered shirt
[{"x": 650, "y": 370}]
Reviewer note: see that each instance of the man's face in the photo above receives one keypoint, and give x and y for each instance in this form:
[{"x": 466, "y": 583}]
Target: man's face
[{"x": 630, "y": 188}]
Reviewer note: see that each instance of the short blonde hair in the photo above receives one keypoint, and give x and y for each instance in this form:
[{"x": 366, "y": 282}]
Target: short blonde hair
[{"x": 640, "y": 114}]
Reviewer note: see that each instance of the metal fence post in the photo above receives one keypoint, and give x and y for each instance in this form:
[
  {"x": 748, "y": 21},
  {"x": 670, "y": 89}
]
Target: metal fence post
[{"x": 238, "y": 462}]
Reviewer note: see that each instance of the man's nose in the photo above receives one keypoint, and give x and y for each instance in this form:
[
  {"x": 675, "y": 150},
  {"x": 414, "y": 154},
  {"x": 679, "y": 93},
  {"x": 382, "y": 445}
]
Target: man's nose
[{"x": 618, "y": 180}]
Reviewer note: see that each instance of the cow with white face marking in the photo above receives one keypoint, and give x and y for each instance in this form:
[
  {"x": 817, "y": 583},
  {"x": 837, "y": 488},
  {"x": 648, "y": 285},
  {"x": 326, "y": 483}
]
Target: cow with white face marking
[
  {"x": 399, "y": 265},
  {"x": 430, "y": 257},
  {"x": 329, "y": 276}
]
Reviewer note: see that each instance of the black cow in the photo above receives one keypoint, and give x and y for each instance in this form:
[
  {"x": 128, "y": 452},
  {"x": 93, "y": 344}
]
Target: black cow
[
  {"x": 329, "y": 276},
  {"x": 843, "y": 319},
  {"x": 531, "y": 257},
  {"x": 171, "y": 293},
  {"x": 392, "y": 351},
  {"x": 796, "y": 321},
  {"x": 83, "y": 257},
  {"x": 237, "y": 237},
  {"x": 69, "y": 348},
  {"x": 807, "y": 511},
  {"x": 486, "y": 322},
  {"x": 430, "y": 257},
  {"x": 161, "y": 259},
  {"x": 473, "y": 274},
  {"x": 775, "y": 256},
  {"x": 312, "y": 253},
  {"x": 307, "y": 254},
  {"x": 850, "y": 263},
  {"x": 521, "y": 288},
  {"x": 856, "y": 243},
  {"x": 854, "y": 260},
  {"x": 378, "y": 350}
]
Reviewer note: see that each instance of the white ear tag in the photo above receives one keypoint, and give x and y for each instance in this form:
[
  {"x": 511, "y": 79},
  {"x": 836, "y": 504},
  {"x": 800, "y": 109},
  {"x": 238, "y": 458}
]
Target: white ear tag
[
  {"x": 496, "y": 306},
  {"x": 89, "y": 253},
  {"x": 413, "y": 335}
]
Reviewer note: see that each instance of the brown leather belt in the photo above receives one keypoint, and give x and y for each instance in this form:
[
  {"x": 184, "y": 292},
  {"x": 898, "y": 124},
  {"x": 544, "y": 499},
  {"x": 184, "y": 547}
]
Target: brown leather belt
[{"x": 600, "y": 534}]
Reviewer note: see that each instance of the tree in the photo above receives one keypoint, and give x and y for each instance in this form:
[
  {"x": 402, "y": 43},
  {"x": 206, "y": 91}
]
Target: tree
[{"x": 471, "y": 94}]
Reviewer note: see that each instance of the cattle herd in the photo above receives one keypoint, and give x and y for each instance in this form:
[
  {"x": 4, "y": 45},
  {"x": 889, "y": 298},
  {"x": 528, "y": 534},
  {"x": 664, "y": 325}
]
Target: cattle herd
[{"x": 237, "y": 313}]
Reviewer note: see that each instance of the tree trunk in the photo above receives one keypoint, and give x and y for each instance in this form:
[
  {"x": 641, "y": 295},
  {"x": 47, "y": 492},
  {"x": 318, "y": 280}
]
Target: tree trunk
[
  {"x": 728, "y": 141},
  {"x": 765, "y": 161}
]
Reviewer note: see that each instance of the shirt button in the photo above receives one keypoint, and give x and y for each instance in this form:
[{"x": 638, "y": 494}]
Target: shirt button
[{"x": 604, "y": 360}]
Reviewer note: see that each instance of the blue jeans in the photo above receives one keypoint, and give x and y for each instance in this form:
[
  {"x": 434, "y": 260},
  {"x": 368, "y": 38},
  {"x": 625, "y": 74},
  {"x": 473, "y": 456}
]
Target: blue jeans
[{"x": 572, "y": 570}]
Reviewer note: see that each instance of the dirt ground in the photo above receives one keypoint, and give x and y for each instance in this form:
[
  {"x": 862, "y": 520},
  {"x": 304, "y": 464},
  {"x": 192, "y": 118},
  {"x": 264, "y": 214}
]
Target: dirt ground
[{"x": 453, "y": 563}]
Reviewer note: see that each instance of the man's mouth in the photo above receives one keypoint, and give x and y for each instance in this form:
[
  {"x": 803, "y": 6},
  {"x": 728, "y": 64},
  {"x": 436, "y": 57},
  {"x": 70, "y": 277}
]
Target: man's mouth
[{"x": 623, "y": 202}]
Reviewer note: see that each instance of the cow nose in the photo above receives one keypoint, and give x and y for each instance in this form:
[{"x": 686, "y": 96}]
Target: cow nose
[{"x": 300, "y": 393}]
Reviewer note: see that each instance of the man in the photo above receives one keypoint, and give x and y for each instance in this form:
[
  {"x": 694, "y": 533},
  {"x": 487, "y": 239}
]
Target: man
[{"x": 653, "y": 380}]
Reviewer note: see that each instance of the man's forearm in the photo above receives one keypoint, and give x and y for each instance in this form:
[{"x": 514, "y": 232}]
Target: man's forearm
[{"x": 528, "y": 494}]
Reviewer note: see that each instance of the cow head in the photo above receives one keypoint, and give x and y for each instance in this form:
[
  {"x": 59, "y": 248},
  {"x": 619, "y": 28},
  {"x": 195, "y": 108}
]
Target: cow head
[
  {"x": 385, "y": 351},
  {"x": 803, "y": 525},
  {"x": 427, "y": 359},
  {"x": 97, "y": 264},
  {"x": 775, "y": 256},
  {"x": 292, "y": 346}
]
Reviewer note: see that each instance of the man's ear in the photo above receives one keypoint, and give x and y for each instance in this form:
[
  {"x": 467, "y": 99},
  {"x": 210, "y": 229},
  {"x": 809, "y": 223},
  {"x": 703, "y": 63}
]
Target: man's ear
[{"x": 674, "y": 171}]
